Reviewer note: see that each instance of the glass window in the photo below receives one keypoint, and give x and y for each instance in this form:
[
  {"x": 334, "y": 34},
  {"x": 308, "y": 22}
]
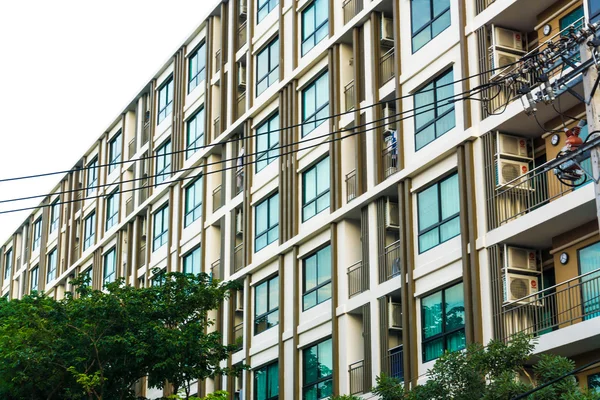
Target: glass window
[
  {"x": 429, "y": 18},
  {"x": 438, "y": 212},
  {"x": 593, "y": 383},
  {"x": 434, "y": 115},
  {"x": 51, "y": 267},
  {"x": 267, "y": 222},
  {"x": 267, "y": 141},
  {"x": 34, "y": 279},
  {"x": 197, "y": 67},
  {"x": 92, "y": 177},
  {"x": 317, "y": 278},
  {"x": 7, "y": 264},
  {"x": 88, "y": 273},
  {"x": 161, "y": 228},
  {"x": 315, "y": 104},
  {"x": 165, "y": 100},
  {"x": 266, "y": 382},
  {"x": 195, "y": 133},
  {"x": 37, "y": 234},
  {"x": 158, "y": 279},
  {"x": 54, "y": 215},
  {"x": 193, "y": 201},
  {"x": 163, "y": 162},
  {"x": 317, "y": 371},
  {"x": 315, "y": 25},
  {"x": 266, "y": 305},
  {"x": 589, "y": 260},
  {"x": 267, "y": 66},
  {"x": 264, "y": 8},
  {"x": 110, "y": 266},
  {"x": 89, "y": 232},
  {"x": 114, "y": 152},
  {"x": 315, "y": 189},
  {"x": 192, "y": 262},
  {"x": 443, "y": 322},
  {"x": 112, "y": 210}
]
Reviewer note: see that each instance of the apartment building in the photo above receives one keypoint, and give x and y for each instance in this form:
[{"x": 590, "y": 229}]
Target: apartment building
[{"x": 308, "y": 150}]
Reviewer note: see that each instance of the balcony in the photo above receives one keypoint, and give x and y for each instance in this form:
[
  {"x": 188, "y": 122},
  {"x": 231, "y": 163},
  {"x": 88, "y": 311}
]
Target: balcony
[
  {"x": 357, "y": 282},
  {"x": 555, "y": 307},
  {"x": 351, "y": 185},
  {"x": 238, "y": 336},
  {"x": 241, "y": 104},
  {"x": 217, "y": 198},
  {"x": 129, "y": 206},
  {"x": 351, "y": 9},
  {"x": 386, "y": 66},
  {"x": 481, "y": 5},
  {"x": 144, "y": 190},
  {"x": 216, "y": 270},
  {"x": 238, "y": 257},
  {"x": 357, "y": 377},
  {"x": 393, "y": 363},
  {"x": 218, "y": 60},
  {"x": 391, "y": 261},
  {"x": 142, "y": 256},
  {"x": 349, "y": 96},
  {"x": 242, "y": 35},
  {"x": 216, "y": 127},
  {"x": 239, "y": 180},
  {"x": 132, "y": 145},
  {"x": 146, "y": 132},
  {"x": 390, "y": 159}
]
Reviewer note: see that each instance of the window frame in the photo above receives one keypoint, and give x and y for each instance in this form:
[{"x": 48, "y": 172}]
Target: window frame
[
  {"x": 437, "y": 117},
  {"x": 428, "y": 25},
  {"x": 258, "y": 318},
  {"x": 163, "y": 154},
  {"x": 192, "y": 146},
  {"x": 266, "y": 368},
  {"x": 309, "y": 385},
  {"x": 269, "y": 4},
  {"x": 51, "y": 272},
  {"x": 37, "y": 234},
  {"x": 318, "y": 286},
  {"x": 305, "y": 201},
  {"x": 159, "y": 278},
  {"x": 308, "y": 119},
  {"x": 195, "y": 212},
  {"x": 444, "y": 334},
  {"x": 270, "y": 227},
  {"x": 34, "y": 277},
  {"x": 438, "y": 224},
  {"x": 189, "y": 256},
  {"x": 106, "y": 277},
  {"x": 54, "y": 215},
  {"x": 161, "y": 236},
  {"x": 165, "y": 89},
  {"x": 115, "y": 150},
  {"x": 200, "y": 74},
  {"x": 112, "y": 219},
  {"x": 89, "y": 230},
  {"x": 92, "y": 176},
  {"x": 312, "y": 6},
  {"x": 266, "y": 153},
  {"x": 271, "y": 68},
  {"x": 8, "y": 263}
]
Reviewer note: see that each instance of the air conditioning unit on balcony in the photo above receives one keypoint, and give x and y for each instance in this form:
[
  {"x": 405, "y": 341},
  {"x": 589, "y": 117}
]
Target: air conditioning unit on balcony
[
  {"x": 394, "y": 315},
  {"x": 239, "y": 301},
  {"x": 392, "y": 215},
  {"x": 387, "y": 30},
  {"x": 512, "y": 146},
  {"x": 241, "y": 76},
  {"x": 509, "y": 171},
  {"x": 517, "y": 286},
  {"x": 508, "y": 39},
  {"x": 520, "y": 259},
  {"x": 500, "y": 59},
  {"x": 239, "y": 222}
]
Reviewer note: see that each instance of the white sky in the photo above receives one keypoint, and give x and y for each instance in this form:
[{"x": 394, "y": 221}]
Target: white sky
[{"x": 67, "y": 69}]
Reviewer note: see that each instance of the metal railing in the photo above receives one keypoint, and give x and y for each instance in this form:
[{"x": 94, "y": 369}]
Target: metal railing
[
  {"x": 216, "y": 270},
  {"x": 239, "y": 181},
  {"x": 393, "y": 363},
  {"x": 238, "y": 336},
  {"x": 351, "y": 185},
  {"x": 218, "y": 60},
  {"x": 391, "y": 260},
  {"x": 357, "y": 377},
  {"x": 238, "y": 257},
  {"x": 132, "y": 147},
  {"x": 76, "y": 252},
  {"x": 351, "y": 9},
  {"x": 142, "y": 256},
  {"x": 129, "y": 206},
  {"x": 386, "y": 66},
  {"x": 481, "y": 5},
  {"x": 356, "y": 282},
  {"x": 241, "y": 104},
  {"x": 559, "y": 306},
  {"x": 144, "y": 190},
  {"x": 390, "y": 160},
  {"x": 216, "y": 127},
  {"x": 349, "y": 95},
  {"x": 217, "y": 198},
  {"x": 242, "y": 35},
  {"x": 146, "y": 133}
]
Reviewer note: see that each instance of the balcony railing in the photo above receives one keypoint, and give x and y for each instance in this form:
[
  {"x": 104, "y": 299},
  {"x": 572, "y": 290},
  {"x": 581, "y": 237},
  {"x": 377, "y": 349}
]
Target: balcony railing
[
  {"x": 351, "y": 9},
  {"x": 218, "y": 60},
  {"x": 393, "y": 363},
  {"x": 351, "y": 185},
  {"x": 390, "y": 160},
  {"x": 239, "y": 180},
  {"x": 555, "y": 307},
  {"x": 349, "y": 95},
  {"x": 132, "y": 144},
  {"x": 386, "y": 66},
  {"x": 129, "y": 206},
  {"x": 391, "y": 261},
  {"x": 238, "y": 336},
  {"x": 241, "y": 104},
  {"x": 216, "y": 270},
  {"x": 146, "y": 133},
  {"x": 142, "y": 256},
  {"x": 242, "y": 35},
  {"x": 356, "y": 282},
  {"x": 144, "y": 190},
  {"x": 357, "y": 377},
  {"x": 217, "y": 198},
  {"x": 481, "y": 5},
  {"x": 238, "y": 257},
  {"x": 216, "y": 127}
]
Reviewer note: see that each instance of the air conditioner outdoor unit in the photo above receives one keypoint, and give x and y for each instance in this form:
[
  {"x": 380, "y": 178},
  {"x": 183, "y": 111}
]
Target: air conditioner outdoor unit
[
  {"x": 239, "y": 301},
  {"x": 243, "y": 8},
  {"x": 511, "y": 145},
  {"x": 521, "y": 259},
  {"x": 508, "y": 39},
  {"x": 517, "y": 286},
  {"x": 508, "y": 171},
  {"x": 394, "y": 315},
  {"x": 391, "y": 215},
  {"x": 500, "y": 59},
  {"x": 239, "y": 222},
  {"x": 387, "y": 30},
  {"x": 242, "y": 76}
]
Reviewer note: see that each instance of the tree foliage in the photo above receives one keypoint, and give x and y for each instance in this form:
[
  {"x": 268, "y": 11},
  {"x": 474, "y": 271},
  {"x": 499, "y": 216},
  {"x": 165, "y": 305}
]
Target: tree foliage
[{"x": 97, "y": 344}]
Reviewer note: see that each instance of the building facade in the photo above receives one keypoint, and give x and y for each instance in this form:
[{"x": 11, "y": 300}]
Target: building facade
[{"x": 308, "y": 149}]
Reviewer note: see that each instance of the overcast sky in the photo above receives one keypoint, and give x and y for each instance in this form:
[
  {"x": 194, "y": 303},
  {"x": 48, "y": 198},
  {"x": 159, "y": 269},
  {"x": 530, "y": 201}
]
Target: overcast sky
[{"x": 68, "y": 68}]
